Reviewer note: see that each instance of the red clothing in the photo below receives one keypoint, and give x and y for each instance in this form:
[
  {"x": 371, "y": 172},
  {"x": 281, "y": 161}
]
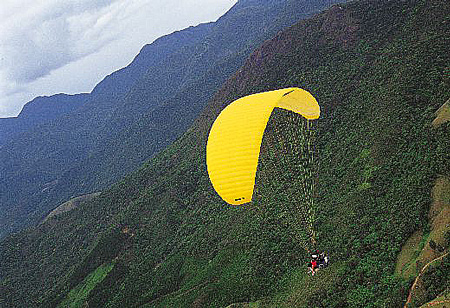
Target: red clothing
[{"x": 313, "y": 264}]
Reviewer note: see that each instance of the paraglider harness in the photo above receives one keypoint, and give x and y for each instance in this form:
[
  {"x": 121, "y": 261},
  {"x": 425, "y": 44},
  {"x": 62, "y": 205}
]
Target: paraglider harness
[{"x": 318, "y": 261}]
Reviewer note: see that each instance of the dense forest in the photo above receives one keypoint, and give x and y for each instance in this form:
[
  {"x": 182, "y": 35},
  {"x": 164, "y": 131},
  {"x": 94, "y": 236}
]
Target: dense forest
[{"x": 162, "y": 237}]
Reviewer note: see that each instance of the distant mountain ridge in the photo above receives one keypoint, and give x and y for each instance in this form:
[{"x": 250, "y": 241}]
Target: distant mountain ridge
[
  {"x": 38, "y": 111},
  {"x": 135, "y": 112}
]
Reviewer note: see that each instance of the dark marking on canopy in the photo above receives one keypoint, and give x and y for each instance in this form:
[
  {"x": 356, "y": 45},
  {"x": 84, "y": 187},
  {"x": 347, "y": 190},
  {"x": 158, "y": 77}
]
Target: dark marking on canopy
[{"x": 288, "y": 92}]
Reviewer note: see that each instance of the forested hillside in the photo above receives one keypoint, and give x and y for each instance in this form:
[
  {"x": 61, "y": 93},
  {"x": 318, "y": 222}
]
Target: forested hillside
[
  {"x": 163, "y": 238},
  {"x": 134, "y": 112}
]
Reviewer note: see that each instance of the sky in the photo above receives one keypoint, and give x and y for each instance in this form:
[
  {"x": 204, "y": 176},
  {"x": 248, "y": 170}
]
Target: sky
[{"x": 68, "y": 46}]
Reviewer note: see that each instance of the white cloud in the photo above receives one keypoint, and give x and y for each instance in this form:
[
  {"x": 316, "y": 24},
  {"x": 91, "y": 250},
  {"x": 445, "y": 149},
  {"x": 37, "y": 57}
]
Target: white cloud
[
  {"x": 43, "y": 43},
  {"x": 45, "y": 35}
]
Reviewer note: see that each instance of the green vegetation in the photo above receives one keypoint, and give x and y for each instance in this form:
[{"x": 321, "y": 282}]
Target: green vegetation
[
  {"x": 409, "y": 256},
  {"x": 437, "y": 280},
  {"x": 379, "y": 70},
  {"x": 70, "y": 205},
  {"x": 78, "y": 295}
]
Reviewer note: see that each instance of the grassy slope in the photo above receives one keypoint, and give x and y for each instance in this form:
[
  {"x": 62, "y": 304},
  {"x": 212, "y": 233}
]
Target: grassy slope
[
  {"x": 417, "y": 251},
  {"x": 421, "y": 254},
  {"x": 70, "y": 205},
  {"x": 78, "y": 295},
  {"x": 442, "y": 114},
  {"x": 379, "y": 70}
]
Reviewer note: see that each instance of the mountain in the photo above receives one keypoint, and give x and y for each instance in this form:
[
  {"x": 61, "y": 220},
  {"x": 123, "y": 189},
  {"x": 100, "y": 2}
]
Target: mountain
[
  {"x": 40, "y": 110},
  {"x": 161, "y": 237},
  {"x": 135, "y": 112}
]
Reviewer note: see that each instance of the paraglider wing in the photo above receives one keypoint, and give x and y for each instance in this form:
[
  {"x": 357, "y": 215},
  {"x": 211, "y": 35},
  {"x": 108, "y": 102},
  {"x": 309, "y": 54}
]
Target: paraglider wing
[{"x": 235, "y": 138}]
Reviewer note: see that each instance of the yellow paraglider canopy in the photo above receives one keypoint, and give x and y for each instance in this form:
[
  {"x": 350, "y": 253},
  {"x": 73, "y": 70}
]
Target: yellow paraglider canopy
[{"x": 234, "y": 142}]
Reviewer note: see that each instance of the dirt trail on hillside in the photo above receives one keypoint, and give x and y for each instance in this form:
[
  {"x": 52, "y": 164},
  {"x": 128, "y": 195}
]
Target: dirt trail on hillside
[
  {"x": 436, "y": 303},
  {"x": 420, "y": 275}
]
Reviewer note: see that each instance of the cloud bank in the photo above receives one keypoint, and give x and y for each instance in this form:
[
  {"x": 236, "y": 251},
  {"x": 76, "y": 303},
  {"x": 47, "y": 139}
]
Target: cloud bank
[{"x": 40, "y": 37}]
